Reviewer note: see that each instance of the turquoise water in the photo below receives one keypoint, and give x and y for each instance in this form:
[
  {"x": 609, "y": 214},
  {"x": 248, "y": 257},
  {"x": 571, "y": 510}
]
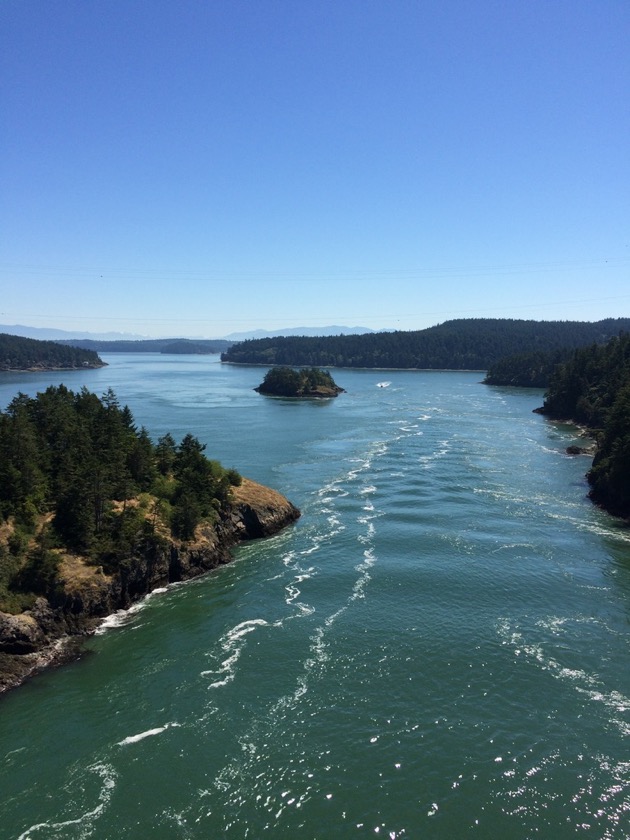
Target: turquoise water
[{"x": 437, "y": 649}]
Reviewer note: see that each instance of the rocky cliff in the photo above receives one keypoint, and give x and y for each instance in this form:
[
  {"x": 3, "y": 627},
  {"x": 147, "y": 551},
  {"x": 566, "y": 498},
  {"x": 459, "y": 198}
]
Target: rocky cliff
[{"x": 50, "y": 632}]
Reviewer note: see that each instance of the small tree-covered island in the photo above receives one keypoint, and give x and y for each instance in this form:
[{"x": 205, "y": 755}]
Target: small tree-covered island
[
  {"x": 306, "y": 383},
  {"x": 94, "y": 516}
]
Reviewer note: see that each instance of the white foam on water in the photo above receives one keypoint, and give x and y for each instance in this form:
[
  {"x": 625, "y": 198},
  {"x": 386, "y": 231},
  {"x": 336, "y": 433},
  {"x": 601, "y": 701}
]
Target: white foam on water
[
  {"x": 335, "y": 527},
  {"x": 232, "y": 644},
  {"x": 293, "y": 592},
  {"x": 122, "y": 618},
  {"x": 149, "y": 733},
  {"x": 288, "y": 558},
  {"x": 84, "y": 823},
  {"x": 318, "y": 650},
  {"x": 440, "y": 452},
  {"x": 603, "y": 531},
  {"x": 332, "y": 508},
  {"x": 510, "y": 546},
  {"x": 588, "y": 685},
  {"x": 369, "y": 559}
]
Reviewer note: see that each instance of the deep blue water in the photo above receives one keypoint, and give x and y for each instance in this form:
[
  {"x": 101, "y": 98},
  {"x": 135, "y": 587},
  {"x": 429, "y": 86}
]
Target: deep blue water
[{"x": 437, "y": 649}]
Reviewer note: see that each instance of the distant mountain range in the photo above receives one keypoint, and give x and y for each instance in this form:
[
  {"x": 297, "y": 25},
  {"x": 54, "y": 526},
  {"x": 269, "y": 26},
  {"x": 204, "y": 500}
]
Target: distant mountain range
[
  {"x": 51, "y": 334},
  {"x": 312, "y": 331}
]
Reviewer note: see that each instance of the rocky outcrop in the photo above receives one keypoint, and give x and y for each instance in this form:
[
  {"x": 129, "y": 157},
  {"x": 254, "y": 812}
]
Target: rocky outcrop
[
  {"x": 581, "y": 450},
  {"x": 48, "y": 632},
  {"x": 20, "y": 634}
]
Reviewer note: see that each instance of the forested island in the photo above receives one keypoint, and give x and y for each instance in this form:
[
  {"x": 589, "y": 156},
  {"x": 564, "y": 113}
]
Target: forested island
[
  {"x": 178, "y": 346},
  {"x": 464, "y": 344},
  {"x": 306, "y": 383},
  {"x": 18, "y": 353},
  {"x": 94, "y": 515}
]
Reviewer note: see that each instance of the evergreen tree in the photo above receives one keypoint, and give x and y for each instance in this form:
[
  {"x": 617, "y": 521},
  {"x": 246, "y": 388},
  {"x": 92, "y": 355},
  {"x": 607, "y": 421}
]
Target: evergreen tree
[
  {"x": 82, "y": 460},
  {"x": 165, "y": 451},
  {"x": 593, "y": 388}
]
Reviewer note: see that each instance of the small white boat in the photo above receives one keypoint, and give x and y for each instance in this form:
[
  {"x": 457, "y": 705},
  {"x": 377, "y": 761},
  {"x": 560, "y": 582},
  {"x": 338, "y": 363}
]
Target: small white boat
[{"x": 383, "y": 384}]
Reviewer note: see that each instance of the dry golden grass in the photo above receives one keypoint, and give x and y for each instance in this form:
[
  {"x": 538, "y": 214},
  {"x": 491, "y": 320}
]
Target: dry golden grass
[
  {"x": 256, "y": 495},
  {"x": 76, "y": 573},
  {"x": 6, "y": 529}
]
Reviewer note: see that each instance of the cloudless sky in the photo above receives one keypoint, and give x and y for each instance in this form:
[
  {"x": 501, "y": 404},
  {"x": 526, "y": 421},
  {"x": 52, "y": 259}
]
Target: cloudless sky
[{"x": 196, "y": 168}]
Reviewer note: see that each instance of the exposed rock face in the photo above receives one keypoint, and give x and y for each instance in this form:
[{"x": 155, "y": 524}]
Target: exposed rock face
[
  {"x": 259, "y": 511},
  {"x": 578, "y": 450},
  {"x": 20, "y": 634},
  {"x": 41, "y": 636}
]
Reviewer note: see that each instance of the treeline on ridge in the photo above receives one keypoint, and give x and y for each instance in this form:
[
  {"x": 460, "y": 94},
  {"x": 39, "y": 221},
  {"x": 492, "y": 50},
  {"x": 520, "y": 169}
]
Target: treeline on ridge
[
  {"x": 526, "y": 370},
  {"x": 76, "y": 474},
  {"x": 17, "y": 353},
  {"x": 201, "y": 346},
  {"x": 464, "y": 344},
  {"x": 592, "y": 387}
]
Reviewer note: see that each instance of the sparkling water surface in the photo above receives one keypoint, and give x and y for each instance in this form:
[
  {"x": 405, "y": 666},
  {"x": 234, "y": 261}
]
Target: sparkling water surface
[{"x": 439, "y": 648}]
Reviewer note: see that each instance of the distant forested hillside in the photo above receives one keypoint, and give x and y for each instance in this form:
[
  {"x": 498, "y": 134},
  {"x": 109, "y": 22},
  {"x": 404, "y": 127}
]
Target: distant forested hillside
[
  {"x": 593, "y": 388},
  {"x": 526, "y": 370},
  {"x": 18, "y": 353},
  {"x": 200, "y": 346},
  {"x": 466, "y": 344}
]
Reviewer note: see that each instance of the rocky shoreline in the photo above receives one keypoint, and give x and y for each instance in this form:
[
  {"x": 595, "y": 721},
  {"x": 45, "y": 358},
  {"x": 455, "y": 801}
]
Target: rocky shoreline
[{"x": 51, "y": 632}]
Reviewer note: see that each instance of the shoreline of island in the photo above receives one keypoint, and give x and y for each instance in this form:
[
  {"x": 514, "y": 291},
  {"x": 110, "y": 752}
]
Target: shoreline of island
[{"x": 52, "y": 632}]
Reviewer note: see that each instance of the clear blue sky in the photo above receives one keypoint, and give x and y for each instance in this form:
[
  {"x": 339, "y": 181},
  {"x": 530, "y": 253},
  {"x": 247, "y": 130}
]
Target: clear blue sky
[{"x": 195, "y": 168}]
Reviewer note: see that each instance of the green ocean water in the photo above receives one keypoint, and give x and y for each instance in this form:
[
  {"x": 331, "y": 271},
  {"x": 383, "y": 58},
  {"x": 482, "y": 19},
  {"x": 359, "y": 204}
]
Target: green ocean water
[{"x": 439, "y": 648}]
